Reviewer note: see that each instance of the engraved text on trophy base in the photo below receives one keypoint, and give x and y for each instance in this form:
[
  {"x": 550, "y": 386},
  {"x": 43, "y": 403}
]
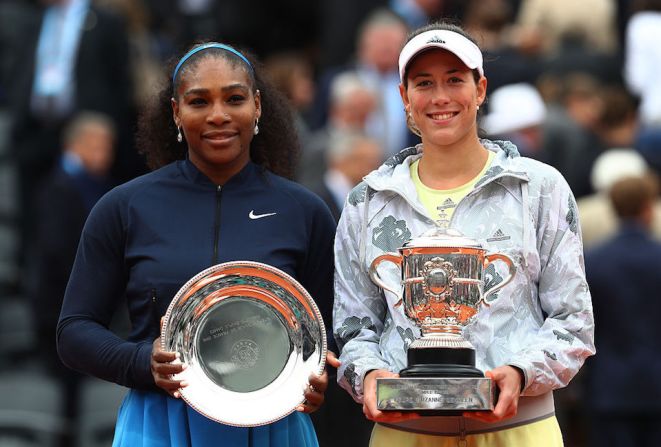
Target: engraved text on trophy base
[{"x": 475, "y": 393}]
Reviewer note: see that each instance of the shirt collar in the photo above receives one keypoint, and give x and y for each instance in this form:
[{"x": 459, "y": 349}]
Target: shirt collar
[{"x": 191, "y": 172}]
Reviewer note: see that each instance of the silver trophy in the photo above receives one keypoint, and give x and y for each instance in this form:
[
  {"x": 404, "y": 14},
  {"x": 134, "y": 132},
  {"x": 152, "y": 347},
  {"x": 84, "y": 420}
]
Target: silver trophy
[
  {"x": 443, "y": 275},
  {"x": 251, "y": 335}
]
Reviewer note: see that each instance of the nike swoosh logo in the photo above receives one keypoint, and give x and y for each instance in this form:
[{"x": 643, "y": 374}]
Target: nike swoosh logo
[{"x": 253, "y": 216}]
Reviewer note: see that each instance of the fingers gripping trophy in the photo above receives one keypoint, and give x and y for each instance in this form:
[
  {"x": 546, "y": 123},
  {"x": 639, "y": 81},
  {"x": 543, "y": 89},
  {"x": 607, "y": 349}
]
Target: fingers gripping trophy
[{"x": 442, "y": 290}]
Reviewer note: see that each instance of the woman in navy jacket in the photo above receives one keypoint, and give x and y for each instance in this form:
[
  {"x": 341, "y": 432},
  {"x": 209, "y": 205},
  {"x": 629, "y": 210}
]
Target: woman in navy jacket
[{"x": 220, "y": 140}]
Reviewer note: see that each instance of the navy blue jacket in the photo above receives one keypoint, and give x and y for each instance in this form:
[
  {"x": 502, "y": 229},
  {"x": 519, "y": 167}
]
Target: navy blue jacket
[
  {"x": 146, "y": 238},
  {"x": 624, "y": 275}
]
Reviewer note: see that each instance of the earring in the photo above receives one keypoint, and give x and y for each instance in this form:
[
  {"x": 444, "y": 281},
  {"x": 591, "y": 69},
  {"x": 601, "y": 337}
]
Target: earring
[
  {"x": 411, "y": 124},
  {"x": 478, "y": 107},
  {"x": 180, "y": 138},
  {"x": 256, "y": 131}
]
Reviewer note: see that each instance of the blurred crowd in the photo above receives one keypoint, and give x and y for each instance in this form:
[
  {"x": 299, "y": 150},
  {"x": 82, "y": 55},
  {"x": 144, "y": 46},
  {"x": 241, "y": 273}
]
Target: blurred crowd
[{"x": 573, "y": 83}]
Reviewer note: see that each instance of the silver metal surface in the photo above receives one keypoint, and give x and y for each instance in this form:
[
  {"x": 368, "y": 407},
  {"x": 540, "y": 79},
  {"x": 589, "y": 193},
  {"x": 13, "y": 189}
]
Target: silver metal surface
[
  {"x": 251, "y": 336},
  {"x": 443, "y": 280},
  {"x": 442, "y": 393}
]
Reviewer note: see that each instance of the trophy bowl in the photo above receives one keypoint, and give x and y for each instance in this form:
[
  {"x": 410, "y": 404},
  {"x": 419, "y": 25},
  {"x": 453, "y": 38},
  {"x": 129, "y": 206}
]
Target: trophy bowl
[
  {"x": 443, "y": 284},
  {"x": 251, "y": 335}
]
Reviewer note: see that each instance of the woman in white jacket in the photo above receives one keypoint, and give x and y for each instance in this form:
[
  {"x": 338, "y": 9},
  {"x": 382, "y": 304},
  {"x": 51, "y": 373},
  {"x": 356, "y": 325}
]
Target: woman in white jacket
[{"x": 537, "y": 334}]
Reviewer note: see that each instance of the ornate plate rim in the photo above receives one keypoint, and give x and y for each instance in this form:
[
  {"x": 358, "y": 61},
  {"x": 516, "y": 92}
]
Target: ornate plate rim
[{"x": 256, "y": 266}]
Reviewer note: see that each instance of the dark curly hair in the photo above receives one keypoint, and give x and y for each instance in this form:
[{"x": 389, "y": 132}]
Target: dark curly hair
[{"x": 275, "y": 148}]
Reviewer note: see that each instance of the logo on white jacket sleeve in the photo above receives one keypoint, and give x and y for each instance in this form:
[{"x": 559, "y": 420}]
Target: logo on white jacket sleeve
[
  {"x": 572, "y": 216},
  {"x": 359, "y": 193}
]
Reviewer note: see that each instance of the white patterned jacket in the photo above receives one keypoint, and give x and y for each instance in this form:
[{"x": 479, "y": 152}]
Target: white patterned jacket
[{"x": 541, "y": 322}]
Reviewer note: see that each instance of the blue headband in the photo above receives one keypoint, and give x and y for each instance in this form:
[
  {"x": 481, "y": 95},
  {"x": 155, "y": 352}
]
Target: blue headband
[{"x": 204, "y": 47}]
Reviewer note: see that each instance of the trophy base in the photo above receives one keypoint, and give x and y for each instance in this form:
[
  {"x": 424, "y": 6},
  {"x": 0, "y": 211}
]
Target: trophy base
[
  {"x": 436, "y": 371},
  {"x": 437, "y": 382},
  {"x": 436, "y": 362},
  {"x": 436, "y": 396}
]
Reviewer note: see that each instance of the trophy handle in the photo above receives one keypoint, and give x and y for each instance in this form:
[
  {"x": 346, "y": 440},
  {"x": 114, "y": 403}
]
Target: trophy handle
[
  {"x": 512, "y": 270},
  {"x": 395, "y": 259}
]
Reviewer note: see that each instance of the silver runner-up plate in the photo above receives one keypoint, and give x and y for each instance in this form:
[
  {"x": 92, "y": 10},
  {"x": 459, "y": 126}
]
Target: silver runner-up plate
[{"x": 251, "y": 335}]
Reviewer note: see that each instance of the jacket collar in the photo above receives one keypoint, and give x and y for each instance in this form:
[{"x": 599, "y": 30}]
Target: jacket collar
[
  {"x": 395, "y": 175},
  {"x": 191, "y": 172},
  {"x": 629, "y": 228}
]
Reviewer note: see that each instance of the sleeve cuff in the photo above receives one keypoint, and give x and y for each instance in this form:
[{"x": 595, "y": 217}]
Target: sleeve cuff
[
  {"x": 142, "y": 366},
  {"x": 526, "y": 374},
  {"x": 354, "y": 375}
]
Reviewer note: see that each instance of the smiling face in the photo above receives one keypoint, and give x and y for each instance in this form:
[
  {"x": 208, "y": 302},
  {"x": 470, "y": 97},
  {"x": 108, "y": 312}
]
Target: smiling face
[
  {"x": 216, "y": 108},
  {"x": 442, "y": 97}
]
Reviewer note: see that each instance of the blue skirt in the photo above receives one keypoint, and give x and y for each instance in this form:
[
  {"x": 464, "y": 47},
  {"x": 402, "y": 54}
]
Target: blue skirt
[{"x": 148, "y": 419}]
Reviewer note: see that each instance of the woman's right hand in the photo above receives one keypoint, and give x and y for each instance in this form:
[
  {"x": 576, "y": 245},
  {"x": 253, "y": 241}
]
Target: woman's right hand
[
  {"x": 162, "y": 369},
  {"x": 369, "y": 400}
]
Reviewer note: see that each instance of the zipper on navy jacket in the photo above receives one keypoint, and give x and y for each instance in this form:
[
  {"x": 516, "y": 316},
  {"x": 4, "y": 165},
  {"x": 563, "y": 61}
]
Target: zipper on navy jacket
[
  {"x": 156, "y": 321},
  {"x": 216, "y": 226}
]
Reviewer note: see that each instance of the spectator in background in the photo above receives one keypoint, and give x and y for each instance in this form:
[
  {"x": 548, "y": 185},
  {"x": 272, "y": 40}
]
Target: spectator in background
[
  {"x": 417, "y": 13},
  {"x": 618, "y": 123},
  {"x": 617, "y": 127},
  {"x": 292, "y": 75},
  {"x": 352, "y": 102},
  {"x": 339, "y": 22},
  {"x": 15, "y": 17},
  {"x": 592, "y": 22},
  {"x": 568, "y": 35},
  {"x": 350, "y": 156},
  {"x": 517, "y": 113},
  {"x": 598, "y": 219},
  {"x": 75, "y": 58},
  {"x": 574, "y": 106},
  {"x": 67, "y": 196},
  {"x": 144, "y": 56},
  {"x": 624, "y": 275},
  {"x": 380, "y": 39},
  {"x": 506, "y": 60}
]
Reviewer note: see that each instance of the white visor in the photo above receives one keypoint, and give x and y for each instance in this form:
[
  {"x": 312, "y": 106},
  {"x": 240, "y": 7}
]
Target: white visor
[{"x": 454, "y": 42}]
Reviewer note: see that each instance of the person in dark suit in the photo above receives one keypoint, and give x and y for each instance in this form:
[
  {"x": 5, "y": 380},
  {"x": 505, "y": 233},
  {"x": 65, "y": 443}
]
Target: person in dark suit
[
  {"x": 76, "y": 58},
  {"x": 350, "y": 155},
  {"x": 68, "y": 194},
  {"x": 624, "y": 275}
]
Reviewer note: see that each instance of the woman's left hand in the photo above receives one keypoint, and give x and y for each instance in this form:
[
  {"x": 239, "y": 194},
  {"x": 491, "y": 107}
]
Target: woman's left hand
[
  {"x": 508, "y": 380},
  {"x": 314, "y": 393}
]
